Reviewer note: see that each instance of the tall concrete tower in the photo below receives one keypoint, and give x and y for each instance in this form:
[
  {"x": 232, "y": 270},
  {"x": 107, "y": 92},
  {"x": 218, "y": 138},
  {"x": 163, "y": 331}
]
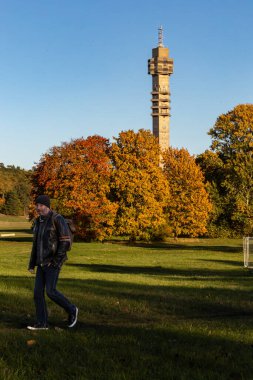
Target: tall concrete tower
[{"x": 160, "y": 66}]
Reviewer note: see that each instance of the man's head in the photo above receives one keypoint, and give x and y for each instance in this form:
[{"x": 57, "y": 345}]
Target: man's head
[{"x": 42, "y": 205}]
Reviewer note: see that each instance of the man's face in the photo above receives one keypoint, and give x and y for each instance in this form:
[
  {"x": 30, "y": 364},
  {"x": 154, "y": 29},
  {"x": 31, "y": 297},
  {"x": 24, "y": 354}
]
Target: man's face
[{"x": 42, "y": 209}]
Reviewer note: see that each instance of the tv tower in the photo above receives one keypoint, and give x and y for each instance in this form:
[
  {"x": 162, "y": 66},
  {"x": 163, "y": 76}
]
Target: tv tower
[{"x": 160, "y": 66}]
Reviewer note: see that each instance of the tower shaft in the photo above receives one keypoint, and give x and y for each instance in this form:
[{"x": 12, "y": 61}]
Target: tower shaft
[{"x": 160, "y": 66}]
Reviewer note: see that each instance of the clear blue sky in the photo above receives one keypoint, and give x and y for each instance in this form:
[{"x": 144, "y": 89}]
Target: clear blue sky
[{"x": 73, "y": 68}]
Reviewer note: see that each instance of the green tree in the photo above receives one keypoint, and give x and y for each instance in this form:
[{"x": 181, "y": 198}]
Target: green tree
[
  {"x": 232, "y": 140},
  {"x": 138, "y": 185},
  {"x": 12, "y": 204},
  {"x": 14, "y": 180},
  {"x": 189, "y": 206},
  {"x": 219, "y": 224}
]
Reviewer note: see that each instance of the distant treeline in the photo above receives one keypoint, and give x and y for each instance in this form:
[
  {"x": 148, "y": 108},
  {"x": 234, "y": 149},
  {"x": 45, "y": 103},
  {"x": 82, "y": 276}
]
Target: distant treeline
[{"x": 15, "y": 188}]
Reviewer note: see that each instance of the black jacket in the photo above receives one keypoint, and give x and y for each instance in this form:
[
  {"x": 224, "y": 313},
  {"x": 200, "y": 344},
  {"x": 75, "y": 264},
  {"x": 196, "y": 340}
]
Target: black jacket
[{"x": 51, "y": 240}]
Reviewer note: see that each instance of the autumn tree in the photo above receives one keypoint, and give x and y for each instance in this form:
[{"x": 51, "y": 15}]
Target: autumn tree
[
  {"x": 232, "y": 140},
  {"x": 76, "y": 176},
  {"x": 189, "y": 206},
  {"x": 138, "y": 185}
]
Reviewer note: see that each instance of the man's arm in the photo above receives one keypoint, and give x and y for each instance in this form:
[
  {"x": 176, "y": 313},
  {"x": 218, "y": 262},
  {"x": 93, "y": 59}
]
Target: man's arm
[
  {"x": 32, "y": 261},
  {"x": 64, "y": 239}
]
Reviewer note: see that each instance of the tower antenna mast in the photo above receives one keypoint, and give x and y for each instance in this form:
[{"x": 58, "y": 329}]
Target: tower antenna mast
[{"x": 160, "y": 36}]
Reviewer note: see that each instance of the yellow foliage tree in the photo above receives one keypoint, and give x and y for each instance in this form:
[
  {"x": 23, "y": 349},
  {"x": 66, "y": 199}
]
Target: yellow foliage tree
[
  {"x": 189, "y": 206},
  {"x": 138, "y": 185}
]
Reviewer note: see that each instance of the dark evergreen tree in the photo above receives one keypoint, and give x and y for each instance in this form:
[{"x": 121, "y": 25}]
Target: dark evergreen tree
[{"x": 15, "y": 188}]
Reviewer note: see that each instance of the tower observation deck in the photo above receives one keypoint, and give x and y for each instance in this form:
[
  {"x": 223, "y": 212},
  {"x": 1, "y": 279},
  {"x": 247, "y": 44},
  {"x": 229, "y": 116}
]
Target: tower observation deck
[{"x": 160, "y": 66}]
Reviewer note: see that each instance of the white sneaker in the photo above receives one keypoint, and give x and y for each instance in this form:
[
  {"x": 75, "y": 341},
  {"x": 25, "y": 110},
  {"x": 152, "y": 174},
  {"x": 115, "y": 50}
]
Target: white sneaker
[
  {"x": 73, "y": 318},
  {"x": 38, "y": 326}
]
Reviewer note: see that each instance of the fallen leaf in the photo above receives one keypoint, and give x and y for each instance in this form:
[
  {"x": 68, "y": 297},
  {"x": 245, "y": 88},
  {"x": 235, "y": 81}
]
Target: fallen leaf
[{"x": 31, "y": 342}]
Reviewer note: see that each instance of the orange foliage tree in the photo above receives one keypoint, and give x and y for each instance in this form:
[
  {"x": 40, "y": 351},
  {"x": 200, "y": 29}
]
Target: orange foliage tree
[
  {"x": 138, "y": 185},
  {"x": 77, "y": 176},
  {"x": 2, "y": 201},
  {"x": 189, "y": 206}
]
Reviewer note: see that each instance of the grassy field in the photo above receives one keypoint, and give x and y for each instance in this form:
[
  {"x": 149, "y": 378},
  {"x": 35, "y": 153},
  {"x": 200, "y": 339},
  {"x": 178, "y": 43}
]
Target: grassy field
[
  {"x": 18, "y": 226},
  {"x": 181, "y": 310}
]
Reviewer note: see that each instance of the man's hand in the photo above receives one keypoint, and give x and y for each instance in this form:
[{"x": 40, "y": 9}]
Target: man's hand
[{"x": 31, "y": 270}]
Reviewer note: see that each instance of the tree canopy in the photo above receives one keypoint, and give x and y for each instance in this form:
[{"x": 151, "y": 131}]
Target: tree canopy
[
  {"x": 138, "y": 185},
  {"x": 232, "y": 132},
  {"x": 188, "y": 208},
  {"x": 77, "y": 176},
  {"x": 232, "y": 140},
  {"x": 214, "y": 171},
  {"x": 15, "y": 188}
]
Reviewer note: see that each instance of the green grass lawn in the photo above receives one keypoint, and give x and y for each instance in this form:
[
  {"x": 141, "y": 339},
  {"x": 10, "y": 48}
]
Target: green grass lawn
[
  {"x": 19, "y": 226},
  {"x": 179, "y": 310}
]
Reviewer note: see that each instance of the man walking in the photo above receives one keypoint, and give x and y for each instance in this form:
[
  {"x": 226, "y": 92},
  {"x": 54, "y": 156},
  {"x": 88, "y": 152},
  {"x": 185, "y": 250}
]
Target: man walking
[{"x": 51, "y": 240}]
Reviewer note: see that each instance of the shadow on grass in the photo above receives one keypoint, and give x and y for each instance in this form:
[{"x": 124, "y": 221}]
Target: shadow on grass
[
  {"x": 160, "y": 271},
  {"x": 129, "y": 331},
  {"x": 155, "y": 303},
  {"x": 226, "y": 262},
  {"x": 107, "y": 352},
  {"x": 183, "y": 247},
  {"x": 17, "y": 239},
  {"x": 162, "y": 303}
]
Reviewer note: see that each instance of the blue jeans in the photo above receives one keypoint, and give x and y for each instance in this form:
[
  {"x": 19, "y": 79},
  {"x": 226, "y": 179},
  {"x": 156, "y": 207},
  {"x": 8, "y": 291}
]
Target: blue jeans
[{"x": 46, "y": 278}]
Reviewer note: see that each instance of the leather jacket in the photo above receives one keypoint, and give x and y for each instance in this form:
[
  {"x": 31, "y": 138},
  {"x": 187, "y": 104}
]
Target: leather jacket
[{"x": 51, "y": 240}]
